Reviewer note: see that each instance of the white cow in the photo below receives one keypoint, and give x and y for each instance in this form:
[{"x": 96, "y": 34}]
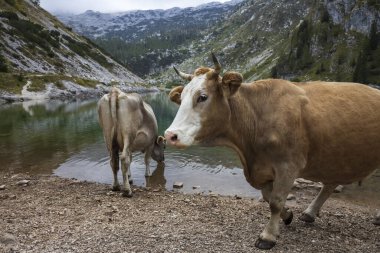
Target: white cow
[{"x": 129, "y": 125}]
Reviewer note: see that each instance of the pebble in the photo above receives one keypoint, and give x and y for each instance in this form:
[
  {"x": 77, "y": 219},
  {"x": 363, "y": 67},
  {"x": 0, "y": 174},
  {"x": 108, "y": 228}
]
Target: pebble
[
  {"x": 291, "y": 197},
  {"x": 338, "y": 189},
  {"x": 187, "y": 200},
  {"x": 196, "y": 187},
  {"x": 7, "y": 239},
  {"x": 237, "y": 197},
  {"x": 377, "y": 219},
  {"x": 339, "y": 215},
  {"x": 178, "y": 185},
  {"x": 304, "y": 181},
  {"x": 2, "y": 187},
  {"x": 23, "y": 182},
  {"x": 296, "y": 185}
]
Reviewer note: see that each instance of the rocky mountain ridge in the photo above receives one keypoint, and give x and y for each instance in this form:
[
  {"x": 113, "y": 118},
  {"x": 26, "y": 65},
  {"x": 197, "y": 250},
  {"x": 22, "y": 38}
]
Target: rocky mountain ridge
[
  {"x": 36, "y": 47},
  {"x": 296, "y": 40},
  {"x": 136, "y": 25},
  {"x": 259, "y": 38},
  {"x": 147, "y": 41}
]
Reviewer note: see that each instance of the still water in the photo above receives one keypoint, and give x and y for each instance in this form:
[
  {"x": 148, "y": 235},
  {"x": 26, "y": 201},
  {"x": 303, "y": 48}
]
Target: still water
[{"x": 64, "y": 138}]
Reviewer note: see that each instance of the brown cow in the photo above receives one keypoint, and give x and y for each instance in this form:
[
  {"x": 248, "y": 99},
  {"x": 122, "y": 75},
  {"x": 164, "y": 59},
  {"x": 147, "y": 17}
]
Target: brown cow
[
  {"x": 129, "y": 125},
  {"x": 322, "y": 131}
]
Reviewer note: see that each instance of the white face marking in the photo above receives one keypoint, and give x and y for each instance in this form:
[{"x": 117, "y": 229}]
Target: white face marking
[{"x": 187, "y": 122}]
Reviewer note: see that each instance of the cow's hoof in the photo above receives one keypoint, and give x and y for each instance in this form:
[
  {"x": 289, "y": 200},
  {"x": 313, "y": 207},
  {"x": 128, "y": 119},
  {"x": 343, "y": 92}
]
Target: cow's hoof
[
  {"x": 264, "y": 244},
  {"x": 127, "y": 194},
  {"x": 307, "y": 218},
  {"x": 130, "y": 180},
  {"x": 288, "y": 220},
  {"x": 116, "y": 188}
]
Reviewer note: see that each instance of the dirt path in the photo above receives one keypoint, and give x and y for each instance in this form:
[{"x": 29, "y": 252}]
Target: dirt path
[{"x": 51, "y": 214}]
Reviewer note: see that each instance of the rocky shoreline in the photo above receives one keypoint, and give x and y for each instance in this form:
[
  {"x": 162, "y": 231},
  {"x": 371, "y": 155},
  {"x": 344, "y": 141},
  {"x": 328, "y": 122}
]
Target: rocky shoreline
[
  {"x": 71, "y": 91},
  {"x": 43, "y": 213}
]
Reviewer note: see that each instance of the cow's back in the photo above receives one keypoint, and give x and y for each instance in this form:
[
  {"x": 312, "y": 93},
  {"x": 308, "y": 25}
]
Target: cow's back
[
  {"x": 137, "y": 122},
  {"x": 342, "y": 122}
]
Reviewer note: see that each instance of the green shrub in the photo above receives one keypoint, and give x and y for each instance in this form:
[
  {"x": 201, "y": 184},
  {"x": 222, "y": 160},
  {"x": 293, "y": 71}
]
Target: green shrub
[
  {"x": 3, "y": 64},
  {"x": 10, "y": 82},
  {"x": 34, "y": 33},
  {"x": 11, "y": 2},
  {"x": 9, "y": 15}
]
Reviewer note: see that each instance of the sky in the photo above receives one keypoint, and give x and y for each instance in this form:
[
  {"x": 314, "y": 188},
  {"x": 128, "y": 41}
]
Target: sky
[{"x": 80, "y": 6}]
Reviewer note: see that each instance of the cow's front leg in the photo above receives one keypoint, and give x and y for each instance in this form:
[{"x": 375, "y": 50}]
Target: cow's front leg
[
  {"x": 147, "y": 161},
  {"x": 313, "y": 209},
  {"x": 125, "y": 164},
  {"x": 286, "y": 214},
  {"x": 115, "y": 168},
  {"x": 130, "y": 180},
  {"x": 281, "y": 187}
]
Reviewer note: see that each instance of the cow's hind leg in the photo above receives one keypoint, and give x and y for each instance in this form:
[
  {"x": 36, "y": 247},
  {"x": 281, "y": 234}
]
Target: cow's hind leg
[
  {"x": 286, "y": 214},
  {"x": 125, "y": 164},
  {"x": 313, "y": 209},
  {"x": 281, "y": 187},
  {"x": 115, "y": 167}
]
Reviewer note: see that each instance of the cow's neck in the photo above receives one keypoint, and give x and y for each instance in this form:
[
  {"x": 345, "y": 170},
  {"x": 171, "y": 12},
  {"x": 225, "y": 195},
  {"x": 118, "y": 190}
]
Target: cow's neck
[{"x": 241, "y": 133}]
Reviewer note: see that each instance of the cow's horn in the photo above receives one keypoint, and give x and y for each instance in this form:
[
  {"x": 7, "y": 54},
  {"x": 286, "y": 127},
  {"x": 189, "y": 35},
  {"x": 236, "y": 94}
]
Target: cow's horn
[
  {"x": 183, "y": 75},
  {"x": 218, "y": 67}
]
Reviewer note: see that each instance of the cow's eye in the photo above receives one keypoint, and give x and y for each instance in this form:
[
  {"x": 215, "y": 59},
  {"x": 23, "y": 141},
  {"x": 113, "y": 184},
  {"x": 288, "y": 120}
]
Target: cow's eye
[{"x": 202, "y": 98}]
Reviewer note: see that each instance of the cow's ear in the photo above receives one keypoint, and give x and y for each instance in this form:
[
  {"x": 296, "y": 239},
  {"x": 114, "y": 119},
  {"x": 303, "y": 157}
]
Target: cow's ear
[
  {"x": 161, "y": 139},
  {"x": 231, "y": 82},
  {"x": 175, "y": 94}
]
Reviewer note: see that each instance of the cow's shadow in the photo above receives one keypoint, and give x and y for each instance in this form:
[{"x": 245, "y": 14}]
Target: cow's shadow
[{"x": 157, "y": 180}]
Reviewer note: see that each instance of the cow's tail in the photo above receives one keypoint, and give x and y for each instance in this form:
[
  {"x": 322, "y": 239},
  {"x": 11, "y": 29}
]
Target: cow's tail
[{"x": 114, "y": 94}]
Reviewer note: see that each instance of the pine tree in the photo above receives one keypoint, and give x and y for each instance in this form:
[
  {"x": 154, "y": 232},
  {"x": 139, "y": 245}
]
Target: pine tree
[
  {"x": 360, "y": 72},
  {"x": 36, "y": 2},
  {"x": 373, "y": 37}
]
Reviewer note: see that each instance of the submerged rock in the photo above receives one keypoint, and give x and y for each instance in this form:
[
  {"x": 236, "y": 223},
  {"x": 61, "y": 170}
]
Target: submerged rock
[{"x": 178, "y": 185}]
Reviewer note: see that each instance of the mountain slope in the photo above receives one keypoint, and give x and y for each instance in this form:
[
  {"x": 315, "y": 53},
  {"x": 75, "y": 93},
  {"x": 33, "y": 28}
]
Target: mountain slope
[
  {"x": 300, "y": 40},
  {"x": 147, "y": 41},
  {"x": 33, "y": 41},
  {"x": 248, "y": 41},
  {"x": 337, "y": 41}
]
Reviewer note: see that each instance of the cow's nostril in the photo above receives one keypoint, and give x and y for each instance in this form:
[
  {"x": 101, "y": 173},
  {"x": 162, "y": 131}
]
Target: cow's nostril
[{"x": 174, "y": 137}]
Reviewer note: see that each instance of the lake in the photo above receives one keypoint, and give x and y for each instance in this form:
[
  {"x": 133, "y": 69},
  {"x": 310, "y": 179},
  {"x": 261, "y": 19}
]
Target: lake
[{"x": 64, "y": 138}]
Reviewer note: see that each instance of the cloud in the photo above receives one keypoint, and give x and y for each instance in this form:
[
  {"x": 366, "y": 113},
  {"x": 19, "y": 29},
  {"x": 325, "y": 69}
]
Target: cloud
[{"x": 79, "y": 6}]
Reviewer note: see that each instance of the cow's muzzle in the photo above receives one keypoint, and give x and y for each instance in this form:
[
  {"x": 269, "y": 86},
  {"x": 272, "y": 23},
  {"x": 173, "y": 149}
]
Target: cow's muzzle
[{"x": 171, "y": 138}]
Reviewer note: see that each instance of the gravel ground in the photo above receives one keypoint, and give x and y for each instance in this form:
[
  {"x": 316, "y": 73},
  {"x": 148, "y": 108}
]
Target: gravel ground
[{"x": 51, "y": 214}]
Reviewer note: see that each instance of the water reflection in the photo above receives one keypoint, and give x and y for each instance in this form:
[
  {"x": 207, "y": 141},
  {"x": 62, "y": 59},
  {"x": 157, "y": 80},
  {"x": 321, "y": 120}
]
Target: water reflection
[
  {"x": 38, "y": 136},
  {"x": 158, "y": 177}
]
